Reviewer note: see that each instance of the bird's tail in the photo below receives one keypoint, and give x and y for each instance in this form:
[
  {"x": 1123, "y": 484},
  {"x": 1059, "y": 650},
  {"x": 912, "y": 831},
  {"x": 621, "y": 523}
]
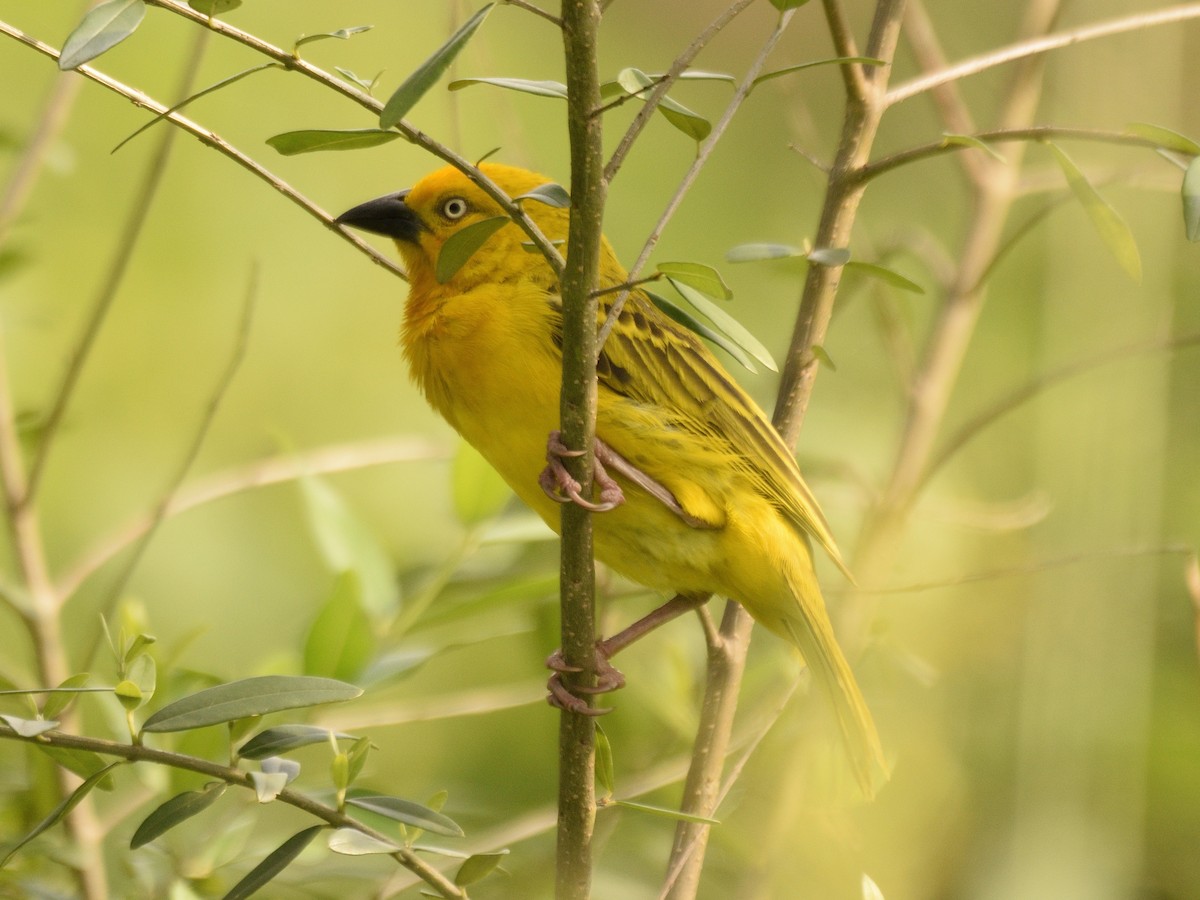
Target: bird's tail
[{"x": 810, "y": 630}]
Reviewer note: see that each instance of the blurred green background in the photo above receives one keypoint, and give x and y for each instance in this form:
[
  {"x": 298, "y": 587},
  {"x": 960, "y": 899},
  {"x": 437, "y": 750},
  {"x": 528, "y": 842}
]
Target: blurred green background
[{"x": 1043, "y": 720}]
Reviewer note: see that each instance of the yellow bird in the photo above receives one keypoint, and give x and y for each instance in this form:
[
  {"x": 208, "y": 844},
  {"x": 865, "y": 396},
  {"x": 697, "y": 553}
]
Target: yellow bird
[{"x": 700, "y": 494}]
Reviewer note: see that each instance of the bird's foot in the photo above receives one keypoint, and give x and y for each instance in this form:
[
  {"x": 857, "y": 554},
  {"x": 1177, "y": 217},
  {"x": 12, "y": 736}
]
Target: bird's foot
[
  {"x": 558, "y": 484},
  {"x": 608, "y": 678}
]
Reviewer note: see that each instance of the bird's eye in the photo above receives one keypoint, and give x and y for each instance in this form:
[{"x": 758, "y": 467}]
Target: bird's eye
[{"x": 454, "y": 208}]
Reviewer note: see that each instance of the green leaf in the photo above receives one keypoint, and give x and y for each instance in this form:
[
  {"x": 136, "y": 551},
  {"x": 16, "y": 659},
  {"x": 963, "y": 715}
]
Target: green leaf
[
  {"x": 28, "y": 728},
  {"x": 178, "y": 809},
  {"x": 1164, "y": 137},
  {"x": 665, "y": 813},
  {"x": 83, "y": 763},
  {"x": 829, "y": 256},
  {"x": 1190, "y": 192},
  {"x": 101, "y": 29},
  {"x": 826, "y": 360},
  {"x": 703, "y": 278},
  {"x": 224, "y": 82},
  {"x": 347, "y": 544},
  {"x": 883, "y": 273},
  {"x": 428, "y": 73},
  {"x": 726, "y": 323},
  {"x": 57, "y": 702},
  {"x": 551, "y": 194},
  {"x": 367, "y": 86},
  {"x": 352, "y": 842},
  {"x": 279, "y": 859},
  {"x": 59, "y": 812},
  {"x": 479, "y": 492},
  {"x": 785, "y": 5},
  {"x": 138, "y": 646},
  {"x": 341, "y": 640},
  {"x": 342, "y": 34},
  {"x": 969, "y": 140},
  {"x": 1106, "y": 220},
  {"x": 831, "y": 61},
  {"x": 636, "y": 83},
  {"x": 409, "y": 813},
  {"x": 248, "y": 697},
  {"x": 292, "y": 143},
  {"x": 461, "y": 246},
  {"x": 755, "y": 252},
  {"x": 214, "y": 7},
  {"x": 524, "y": 85},
  {"x": 144, "y": 673},
  {"x": 604, "y": 763},
  {"x": 687, "y": 320},
  {"x": 358, "y": 757},
  {"x": 478, "y": 867},
  {"x": 282, "y": 738}
]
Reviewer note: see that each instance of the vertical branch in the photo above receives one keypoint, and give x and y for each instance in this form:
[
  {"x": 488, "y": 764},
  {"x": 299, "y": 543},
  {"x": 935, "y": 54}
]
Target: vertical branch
[
  {"x": 865, "y": 90},
  {"x": 576, "y": 792}
]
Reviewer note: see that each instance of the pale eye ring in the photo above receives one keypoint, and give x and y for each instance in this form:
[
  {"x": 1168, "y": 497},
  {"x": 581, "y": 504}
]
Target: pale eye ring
[{"x": 454, "y": 208}]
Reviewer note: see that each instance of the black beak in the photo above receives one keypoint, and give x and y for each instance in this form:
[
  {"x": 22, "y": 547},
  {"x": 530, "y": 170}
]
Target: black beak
[{"x": 389, "y": 216}]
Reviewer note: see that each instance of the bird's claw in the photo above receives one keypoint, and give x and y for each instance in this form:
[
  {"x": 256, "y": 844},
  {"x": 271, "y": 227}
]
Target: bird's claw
[
  {"x": 608, "y": 678},
  {"x": 559, "y": 486}
]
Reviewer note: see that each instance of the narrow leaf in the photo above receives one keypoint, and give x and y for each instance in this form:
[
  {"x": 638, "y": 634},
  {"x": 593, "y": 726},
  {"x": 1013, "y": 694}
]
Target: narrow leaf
[
  {"x": 409, "y": 813},
  {"x": 703, "y": 278},
  {"x": 883, "y": 273},
  {"x": 348, "y": 544},
  {"x": 832, "y": 61},
  {"x": 292, "y": 143},
  {"x": 524, "y": 85},
  {"x": 214, "y": 7},
  {"x": 428, "y": 73},
  {"x": 224, "y": 82},
  {"x": 637, "y": 83},
  {"x": 755, "y": 252},
  {"x": 282, "y": 738},
  {"x": 83, "y": 763},
  {"x": 367, "y": 86},
  {"x": 56, "y": 703},
  {"x": 687, "y": 320},
  {"x": 341, "y": 640},
  {"x": 352, "y": 842},
  {"x": 248, "y": 697},
  {"x": 1190, "y": 193},
  {"x": 28, "y": 728},
  {"x": 342, "y": 34},
  {"x": 785, "y": 5},
  {"x": 461, "y": 246},
  {"x": 1106, "y": 220},
  {"x": 59, "y": 812},
  {"x": 279, "y": 859},
  {"x": 101, "y": 29},
  {"x": 479, "y": 492},
  {"x": 604, "y": 763},
  {"x": 826, "y": 360},
  {"x": 666, "y": 813},
  {"x": 726, "y": 323},
  {"x": 1164, "y": 137},
  {"x": 178, "y": 809},
  {"x": 478, "y": 867},
  {"x": 829, "y": 256},
  {"x": 969, "y": 140},
  {"x": 551, "y": 194}
]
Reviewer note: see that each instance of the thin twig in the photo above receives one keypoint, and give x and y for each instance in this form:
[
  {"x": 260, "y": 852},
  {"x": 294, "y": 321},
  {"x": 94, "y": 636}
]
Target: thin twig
[
  {"x": 209, "y": 139},
  {"x": 702, "y": 154},
  {"x": 668, "y": 79},
  {"x": 1042, "y": 44}
]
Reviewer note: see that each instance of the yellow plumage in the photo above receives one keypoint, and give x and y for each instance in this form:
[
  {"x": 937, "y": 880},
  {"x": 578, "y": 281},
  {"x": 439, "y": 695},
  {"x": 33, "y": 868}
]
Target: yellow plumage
[{"x": 484, "y": 347}]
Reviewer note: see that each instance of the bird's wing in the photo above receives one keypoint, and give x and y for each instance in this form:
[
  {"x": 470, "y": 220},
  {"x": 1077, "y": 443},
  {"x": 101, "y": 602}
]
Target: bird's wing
[{"x": 653, "y": 361}]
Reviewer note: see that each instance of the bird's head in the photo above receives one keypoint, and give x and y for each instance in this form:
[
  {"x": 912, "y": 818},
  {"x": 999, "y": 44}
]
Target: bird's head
[{"x": 423, "y": 218}]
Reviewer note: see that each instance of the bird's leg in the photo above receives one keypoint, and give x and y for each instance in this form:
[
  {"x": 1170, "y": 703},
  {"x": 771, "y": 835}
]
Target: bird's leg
[
  {"x": 608, "y": 677},
  {"x": 558, "y": 484}
]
